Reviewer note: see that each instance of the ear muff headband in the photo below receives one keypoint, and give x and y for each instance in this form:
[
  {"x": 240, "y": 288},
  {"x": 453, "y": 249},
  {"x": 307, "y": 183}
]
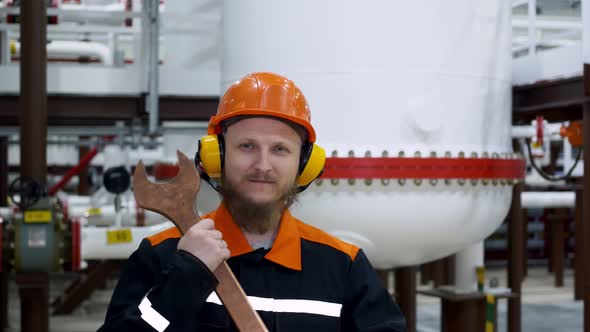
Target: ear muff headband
[{"x": 209, "y": 161}]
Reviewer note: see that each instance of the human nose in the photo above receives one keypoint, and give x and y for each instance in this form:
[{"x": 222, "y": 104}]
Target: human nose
[{"x": 264, "y": 163}]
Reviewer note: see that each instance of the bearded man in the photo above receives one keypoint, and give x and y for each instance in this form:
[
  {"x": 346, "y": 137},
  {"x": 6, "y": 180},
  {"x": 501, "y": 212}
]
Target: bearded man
[{"x": 259, "y": 155}]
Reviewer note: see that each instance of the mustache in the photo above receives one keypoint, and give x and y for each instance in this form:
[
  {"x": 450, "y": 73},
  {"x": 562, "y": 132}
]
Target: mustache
[{"x": 261, "y": 176}]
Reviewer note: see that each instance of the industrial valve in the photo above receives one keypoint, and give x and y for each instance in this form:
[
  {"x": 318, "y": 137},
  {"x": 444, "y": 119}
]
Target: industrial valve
[{"x": 33, "y": 236}]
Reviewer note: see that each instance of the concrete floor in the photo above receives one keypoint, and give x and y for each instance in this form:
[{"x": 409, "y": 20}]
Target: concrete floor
[{"x": 545, "y": 308}]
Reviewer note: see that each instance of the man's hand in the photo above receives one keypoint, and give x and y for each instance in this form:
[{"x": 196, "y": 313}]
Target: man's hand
[{"x": 203, "y": 241}]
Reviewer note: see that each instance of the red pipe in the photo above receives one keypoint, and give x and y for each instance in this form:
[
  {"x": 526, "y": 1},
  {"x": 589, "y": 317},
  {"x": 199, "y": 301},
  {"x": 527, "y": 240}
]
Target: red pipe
[
  {"x": 73, "y": 171},
  {"x": 76, "y": 247}
]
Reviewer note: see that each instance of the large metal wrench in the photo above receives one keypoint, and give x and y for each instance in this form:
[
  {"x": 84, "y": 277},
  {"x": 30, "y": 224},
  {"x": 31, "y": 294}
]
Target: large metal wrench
[{"x": 175, "y": 200}]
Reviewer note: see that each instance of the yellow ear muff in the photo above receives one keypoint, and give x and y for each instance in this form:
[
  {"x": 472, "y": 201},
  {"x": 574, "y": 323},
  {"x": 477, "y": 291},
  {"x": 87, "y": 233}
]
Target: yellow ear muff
[
  {"x": 210, "y": 155},
  {"x": 314, "y": 166}
]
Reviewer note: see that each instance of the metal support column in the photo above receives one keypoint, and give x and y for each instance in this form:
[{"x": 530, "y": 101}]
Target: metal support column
[
  {"x": 437, "y": 272},
  {"x": 3, "y": 171},
  {"x": 33, "y": 287},
  {"x": 405, "y": 291},
  {"x": 33, "y": 91},
  {"x": 557, "y": 220},
  {"x": 586, "y": 198},
  {"x": 3, "y": 300},
  {"x": 525, "y": 249},
  {"x": 586, "y": 156},
  {"x": 425, "y": 274},
  {"x": 579, "y": 249},
  {"x": 462, "y": 315},
  {"x": 3, "y": 202},
  {"x": 449, "y": 270},
  {"x": 515, "y": 227}
]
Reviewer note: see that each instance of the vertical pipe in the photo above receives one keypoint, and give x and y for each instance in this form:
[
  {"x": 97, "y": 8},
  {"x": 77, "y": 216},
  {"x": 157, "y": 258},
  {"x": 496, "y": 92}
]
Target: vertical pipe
[
  {"x": 33, "y": 92},
  {"x": 515, "y": 260},
  {"x": 83, "y": 185},
  {"x": 466, "y": 262},
  {"x": 154, "y": 90},
  {"x": 4, "y": 48},
  {"x": 532, "y": 14},
  {"x": 579, "y": 249},
  {"x": 405, "y": 290}
]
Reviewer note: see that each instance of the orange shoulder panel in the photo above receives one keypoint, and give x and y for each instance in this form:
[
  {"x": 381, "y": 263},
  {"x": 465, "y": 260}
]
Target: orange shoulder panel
[
  {"x": 170, "y": 233},
  {"x": 313, "y": 234}
]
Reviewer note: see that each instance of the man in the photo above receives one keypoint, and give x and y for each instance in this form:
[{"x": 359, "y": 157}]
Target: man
[{"x": 260, "y": 154}]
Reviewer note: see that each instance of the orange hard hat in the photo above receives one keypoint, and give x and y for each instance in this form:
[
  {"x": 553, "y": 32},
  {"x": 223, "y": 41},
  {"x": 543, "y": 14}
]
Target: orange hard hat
[{"x": 265, "y": 94}]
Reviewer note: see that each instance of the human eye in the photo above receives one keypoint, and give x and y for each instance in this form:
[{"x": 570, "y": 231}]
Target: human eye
[
  {"x": 246, "y": 146},
  {"x": 281, "y": 149}
]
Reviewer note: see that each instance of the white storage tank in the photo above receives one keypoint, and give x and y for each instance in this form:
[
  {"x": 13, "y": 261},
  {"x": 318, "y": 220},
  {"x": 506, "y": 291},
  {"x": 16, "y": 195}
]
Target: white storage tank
[{"x": 425, "y": 78}]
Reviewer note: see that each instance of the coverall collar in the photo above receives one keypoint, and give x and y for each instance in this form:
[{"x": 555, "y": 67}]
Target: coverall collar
[{"x": 285, "y": 251}]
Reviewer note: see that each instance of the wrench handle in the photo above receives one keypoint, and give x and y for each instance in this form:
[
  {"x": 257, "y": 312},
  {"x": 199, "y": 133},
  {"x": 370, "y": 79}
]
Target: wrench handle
[{"x": 235, "y": 301}]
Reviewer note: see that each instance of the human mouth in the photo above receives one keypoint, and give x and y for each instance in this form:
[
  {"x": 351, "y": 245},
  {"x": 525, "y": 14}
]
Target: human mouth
[{"x": 260, "y": 181}]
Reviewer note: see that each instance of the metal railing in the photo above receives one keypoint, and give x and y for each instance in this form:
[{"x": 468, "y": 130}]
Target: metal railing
[{"x": 542, "y": 32}]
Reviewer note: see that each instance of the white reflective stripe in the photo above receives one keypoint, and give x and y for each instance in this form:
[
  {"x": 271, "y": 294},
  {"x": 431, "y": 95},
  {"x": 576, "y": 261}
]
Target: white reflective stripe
[
  {"x": 286, "y": 305},
  {"x": 151, "y": 316}
]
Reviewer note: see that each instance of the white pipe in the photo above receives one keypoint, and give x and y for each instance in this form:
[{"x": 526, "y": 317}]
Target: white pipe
[
  {"x": 65, "y": 48},
  {"x": 518, "y": 3},
  {"x": 5, "y": 212},
  {"x": 548, "y": 199},
  {"x": 94, "y": 243},
  {"x": 532, "y": 18},
  {"x": 531, "y": 131},
  {"x": 113, "y": 7},
  {"x": 466, "y": 263},
  {"x": 520, "y": 22},
  {"x": 153, "y": 12}
]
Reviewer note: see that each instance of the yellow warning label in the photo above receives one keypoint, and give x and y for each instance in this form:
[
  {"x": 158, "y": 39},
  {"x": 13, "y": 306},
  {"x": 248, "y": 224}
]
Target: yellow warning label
[
  {"x": 92, "y": 212},
  {"x": 12, "y": 47},
  {"x": 119, "y": 236},
  {"x": 39, "y": 216}
]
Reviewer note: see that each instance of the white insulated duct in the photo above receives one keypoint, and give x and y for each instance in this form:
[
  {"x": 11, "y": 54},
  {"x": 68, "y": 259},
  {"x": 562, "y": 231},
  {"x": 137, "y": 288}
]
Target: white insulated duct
[
  {"x": 547, "y": 199},
  {"x": 74, "y": 49},
  {"x": 94, "y": 244}
]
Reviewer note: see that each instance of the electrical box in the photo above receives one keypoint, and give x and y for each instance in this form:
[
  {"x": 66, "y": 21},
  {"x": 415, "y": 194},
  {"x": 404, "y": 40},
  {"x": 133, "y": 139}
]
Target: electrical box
[{"x": 39, "y": 237}]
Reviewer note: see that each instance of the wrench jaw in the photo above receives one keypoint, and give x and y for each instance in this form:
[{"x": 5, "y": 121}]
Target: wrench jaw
[
  {"x": 175, "y": 199},
  {"x": 141, "y": 184}
]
